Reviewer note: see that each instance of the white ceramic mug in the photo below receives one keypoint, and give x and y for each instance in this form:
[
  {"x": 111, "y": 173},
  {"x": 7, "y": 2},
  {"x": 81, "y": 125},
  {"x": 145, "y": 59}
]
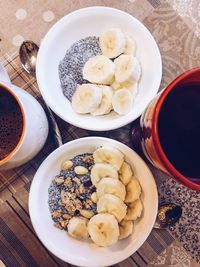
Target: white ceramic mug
[{"x": 35, "y": 128}]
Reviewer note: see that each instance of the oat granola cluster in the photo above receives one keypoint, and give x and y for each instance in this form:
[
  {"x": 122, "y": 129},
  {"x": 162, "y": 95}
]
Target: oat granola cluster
[{"x": 71, "y": 192}]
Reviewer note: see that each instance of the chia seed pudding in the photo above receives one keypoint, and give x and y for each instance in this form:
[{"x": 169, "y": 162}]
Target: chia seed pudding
[
  {"x": 71, "y": 66},
  {"x": 70, "y": 193}
]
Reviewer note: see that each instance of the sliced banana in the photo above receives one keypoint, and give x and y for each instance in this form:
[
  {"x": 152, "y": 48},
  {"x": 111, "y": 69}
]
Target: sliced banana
[
  {"x": 125, "y": 229},
  {"x": 110, "y": 155},
  {"x": 113, "y": 205},
  {"x": 112, "y": 42},
  {"x": 125, "y": 173},
  {"x": 77, "y": 228},
  {"x": 99, "y": 69},
  {"x": 122, "y": 101},
  {"x": 130, "y": 46},
  {"x": 111, "y": 186},
  {"x": 115, "y": 86},
  {"x": 86, "y": 98},
  {"x": 133, "y": 190},
  {"x": 132, "y": 87},
  {"x": 128, "y": 69},
  {"x": 134, "y": 210},
  {"x": 101, "y": 170},
  {"x": 106, "y": 102},
  {"x": 103, "y": 229}
]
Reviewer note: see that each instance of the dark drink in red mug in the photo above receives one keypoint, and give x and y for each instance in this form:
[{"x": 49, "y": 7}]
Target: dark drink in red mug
[{"x": 170, "y": 129}]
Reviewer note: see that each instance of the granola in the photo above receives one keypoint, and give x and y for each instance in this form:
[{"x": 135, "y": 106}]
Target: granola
[{"x": 70, "y": 191}]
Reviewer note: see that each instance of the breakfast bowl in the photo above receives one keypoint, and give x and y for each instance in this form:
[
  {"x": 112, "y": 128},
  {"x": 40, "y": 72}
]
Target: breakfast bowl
[
  {"x": 81, "y": 252},
  {"x": 92, "y": 21}
]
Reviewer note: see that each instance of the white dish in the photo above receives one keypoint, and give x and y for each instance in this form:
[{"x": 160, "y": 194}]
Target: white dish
[
  {"x": 89, "y": 22},
  {"x": 83, "y": 253}
]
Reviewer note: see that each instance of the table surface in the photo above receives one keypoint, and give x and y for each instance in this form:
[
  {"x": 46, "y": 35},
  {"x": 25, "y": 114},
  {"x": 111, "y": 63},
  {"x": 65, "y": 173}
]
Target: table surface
[{"x": 175, "y": 24}]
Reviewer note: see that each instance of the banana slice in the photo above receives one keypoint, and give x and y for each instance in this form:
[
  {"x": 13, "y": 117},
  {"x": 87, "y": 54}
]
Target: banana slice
[
  {"x": 111, "y": 186},
  {"x": 134, "y": 210},
  {"x": 99, "y": 69},
  {"x": 128, "y": 69},
  {"x": 133, "y": 190},
  {"x": 77, "y": 228},
  {"x": 116, "y": 86},
  {"x": 101, "y": 170},
  {"x": 86, "y": 98},
  {"x": 130, "y": 47},
  {"x": 125, "y": 173},
  {"x": 103, "y": 229},
  {"x": 125, "y": 229},
  {"x": 122, "y": 101},
  {"x": 106, "y": 102},
  {"x": 112, "y": 42},
  {"x": 110, "y": 155},
  {"x": 113, "y": 205},
  {"x": 132, "y": 87}
]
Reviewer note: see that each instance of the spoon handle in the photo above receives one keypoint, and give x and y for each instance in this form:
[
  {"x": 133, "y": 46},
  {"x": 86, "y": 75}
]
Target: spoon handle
[
  {"x": 28, "y": 55},
  {"x": 54, "y": 127}
]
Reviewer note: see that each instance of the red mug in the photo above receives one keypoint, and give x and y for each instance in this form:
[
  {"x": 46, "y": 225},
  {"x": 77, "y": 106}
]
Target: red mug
[{"x": 170, "y": 129}]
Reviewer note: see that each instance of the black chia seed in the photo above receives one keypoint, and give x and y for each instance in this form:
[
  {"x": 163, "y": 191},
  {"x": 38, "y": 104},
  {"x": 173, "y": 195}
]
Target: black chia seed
[
  {"x": 71, "y": 66},
  {"x": 54, "y": 191}
]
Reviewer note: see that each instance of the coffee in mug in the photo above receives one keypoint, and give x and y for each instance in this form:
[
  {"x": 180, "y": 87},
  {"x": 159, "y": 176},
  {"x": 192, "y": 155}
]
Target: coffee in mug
[
  {"x": 169, "y": 130},
  {"x": 11, "y": 123},
  {"x": 179, "y": 129},
  {"x": 23, "y": 124}
]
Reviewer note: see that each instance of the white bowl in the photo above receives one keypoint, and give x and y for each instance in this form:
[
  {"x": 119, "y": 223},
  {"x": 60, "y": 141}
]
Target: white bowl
[
  {"x": 83, "y": 253},
  {"x": 89, "y": 22}
]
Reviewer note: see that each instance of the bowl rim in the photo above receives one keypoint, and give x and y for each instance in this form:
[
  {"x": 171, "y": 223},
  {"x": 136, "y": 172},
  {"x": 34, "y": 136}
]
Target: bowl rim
[
  {"x": 31, "y": 207},
  {"x": 94, "y": 127}
]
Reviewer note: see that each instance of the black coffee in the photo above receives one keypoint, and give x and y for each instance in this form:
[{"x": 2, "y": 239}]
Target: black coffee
[
  {"x": 11, "y": 123},
  {"x": 179, "y": 129}
]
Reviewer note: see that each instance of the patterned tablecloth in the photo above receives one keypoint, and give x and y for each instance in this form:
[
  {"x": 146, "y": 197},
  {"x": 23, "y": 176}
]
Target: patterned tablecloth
[{"x": 175, "y": 24}]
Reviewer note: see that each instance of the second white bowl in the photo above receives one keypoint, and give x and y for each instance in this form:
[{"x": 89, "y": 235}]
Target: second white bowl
[
  {"x": 93, "y": 21},
  {"x": 78, "y": 252}
]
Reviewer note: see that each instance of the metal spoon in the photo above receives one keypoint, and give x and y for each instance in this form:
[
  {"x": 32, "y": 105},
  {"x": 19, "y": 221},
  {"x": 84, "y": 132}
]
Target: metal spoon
[
  {"x": 168, "y": 214},
  {"x": 28, "y": 55}
]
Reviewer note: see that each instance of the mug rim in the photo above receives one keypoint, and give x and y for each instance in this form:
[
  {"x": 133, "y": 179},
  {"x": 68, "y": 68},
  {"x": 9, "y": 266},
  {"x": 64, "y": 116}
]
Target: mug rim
[
  {"x": 13, "y": 152},
  {"x": 155, "y": 136}
]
